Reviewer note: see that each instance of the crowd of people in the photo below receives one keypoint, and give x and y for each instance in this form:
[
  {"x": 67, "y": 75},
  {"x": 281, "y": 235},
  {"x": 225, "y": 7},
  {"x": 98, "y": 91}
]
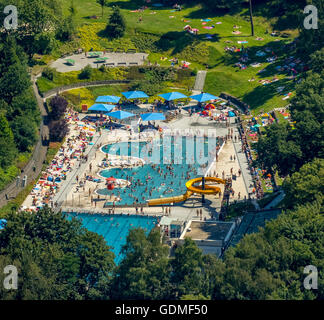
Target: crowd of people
[
  {"x": 257, "y": 189},
  {"x": 69, "y": 155}
]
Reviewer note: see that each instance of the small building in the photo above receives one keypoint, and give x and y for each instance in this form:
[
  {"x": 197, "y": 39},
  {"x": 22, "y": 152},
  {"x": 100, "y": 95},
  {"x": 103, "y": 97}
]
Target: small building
[
  {"x": 172, "y": 228},
  {"x": 210, "y": 236}
]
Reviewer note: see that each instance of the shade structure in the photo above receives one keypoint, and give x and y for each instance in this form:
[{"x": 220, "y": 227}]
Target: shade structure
[
  {"x": 153, "y": 117},
  {"x": 108, "y": 99},
  {"x": 134, "y": 95},
  {"x": 172, "y": 96},
  {"x": 3, "y": 223},
  {"x": 231, "y": 114},
  {"x": 95, "y": 54},
  {"x": 101, "y": 107},
  {"x": 70, "y": 62},
  {"x": 102, "y": 59},
  {"x": 111, "y": 179},
  {"x": 120, "y": 115},
  {"x": 257, "y": 125},
  {"x": 203, "y": 97}
]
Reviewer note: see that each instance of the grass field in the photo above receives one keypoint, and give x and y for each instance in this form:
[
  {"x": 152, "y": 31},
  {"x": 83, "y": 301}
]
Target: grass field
[{"x": 161, "y": 35}]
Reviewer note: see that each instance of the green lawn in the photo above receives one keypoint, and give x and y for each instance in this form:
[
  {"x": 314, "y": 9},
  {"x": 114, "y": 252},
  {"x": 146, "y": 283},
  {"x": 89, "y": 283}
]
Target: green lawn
[{"x": 161, "y": 35}]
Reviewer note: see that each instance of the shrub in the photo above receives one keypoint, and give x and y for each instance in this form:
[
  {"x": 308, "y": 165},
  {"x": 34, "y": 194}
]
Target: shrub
[
  {"x": 145, "y": 42},
  {"x": 86, "y": 72},
  {"x": 58, "y": 130},
  {"x": 48, "y": 73}
]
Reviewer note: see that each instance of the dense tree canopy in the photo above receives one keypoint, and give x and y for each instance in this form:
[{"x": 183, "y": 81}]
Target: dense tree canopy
[
  {"x": 68, "y": 261},
  {"x": 19, "y": 114},
  {"x": 286, "y": 149},
  {"x": 145, "y": 271},
  {"x": 305, "y": 185},
  {"x": 277, "y": 150}
]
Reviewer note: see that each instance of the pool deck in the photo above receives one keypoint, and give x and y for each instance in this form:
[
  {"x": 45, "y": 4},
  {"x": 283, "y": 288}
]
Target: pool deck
[{"x": 68, "y": 197}]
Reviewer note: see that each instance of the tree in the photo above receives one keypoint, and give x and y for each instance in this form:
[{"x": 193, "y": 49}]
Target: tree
[
  {"x": 24, "y": 131},
  {"x": 270, "y": 264},
  {"x": 14, "y": 78},
  {"x": 251, "y": 18},
  {"x": 187, "y": 269},
  {"x": 58, "y": 107},
  {"x": 116, "y": 26},
  {"x": 144, "y": 272},
  {"x": 277, "y": 150},
  {"x": 305, "y": 185},
  {"x": 67, "y": 261},
  {"x": 103, "y": 3},
  {"x": 8, "y": 150},
  {"x": 58, "y": 130},
  {"x": 317, "y": 61},
  {"x": 38, "y": 21},
  {"x": 86, "y": 72},
  {"x": 313, "y": 39}
]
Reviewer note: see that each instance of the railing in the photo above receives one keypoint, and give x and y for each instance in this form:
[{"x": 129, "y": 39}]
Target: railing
[{"x": 57, "y": 90}]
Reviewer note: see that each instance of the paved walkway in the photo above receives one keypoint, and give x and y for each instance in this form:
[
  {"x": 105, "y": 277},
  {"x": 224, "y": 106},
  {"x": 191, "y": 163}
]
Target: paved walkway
[
  {"x": 243, "y": 163},
  {"x": 200, "y": 81},
  {"x": 276, "y": 201},
  {"x": 67, "y": 185}
]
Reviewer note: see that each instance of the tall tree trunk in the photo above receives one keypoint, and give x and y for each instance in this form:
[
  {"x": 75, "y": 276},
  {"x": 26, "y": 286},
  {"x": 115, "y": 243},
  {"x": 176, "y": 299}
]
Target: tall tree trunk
[{"x": 251, "y": 18}]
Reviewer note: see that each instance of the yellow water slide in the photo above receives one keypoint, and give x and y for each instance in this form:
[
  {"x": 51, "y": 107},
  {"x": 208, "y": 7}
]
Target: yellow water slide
[{"x": 191, "y": 189}]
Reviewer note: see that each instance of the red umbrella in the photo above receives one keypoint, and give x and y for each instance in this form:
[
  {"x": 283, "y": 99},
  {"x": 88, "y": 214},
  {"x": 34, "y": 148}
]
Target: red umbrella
[
  {"x": 110, "y": 186},
  {"x": 111, "y": 179}
]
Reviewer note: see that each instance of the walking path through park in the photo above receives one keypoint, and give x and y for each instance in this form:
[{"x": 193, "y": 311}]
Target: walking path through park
[
  {"x": 275, "y": 201},
  {"x": 35, "y": 164},
  {"x": 200, "y": 81}
]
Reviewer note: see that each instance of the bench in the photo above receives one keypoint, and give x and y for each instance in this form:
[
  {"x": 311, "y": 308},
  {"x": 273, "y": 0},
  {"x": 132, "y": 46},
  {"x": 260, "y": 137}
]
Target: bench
[
  {"x": 133, "y": 63},
  {"x": 122, "y": 64},
  {"x": 110, "y": 64},
  {"x": 120, "y": 50},
  {"x": 131, "y": 51}
]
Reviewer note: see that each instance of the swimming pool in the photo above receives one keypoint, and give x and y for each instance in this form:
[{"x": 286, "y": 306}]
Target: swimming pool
[
  {"x": 114, "y": 228},
  {"x": 169, "y": 163}
]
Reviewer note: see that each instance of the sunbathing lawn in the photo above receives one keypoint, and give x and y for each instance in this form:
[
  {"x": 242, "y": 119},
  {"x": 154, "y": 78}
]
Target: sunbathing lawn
[{"x": 222, "y": 76}]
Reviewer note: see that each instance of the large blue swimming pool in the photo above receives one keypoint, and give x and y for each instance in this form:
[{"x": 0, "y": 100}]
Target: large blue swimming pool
[
  {"x": 114, "y": 228},
  {"x": 169, "y": 164}
]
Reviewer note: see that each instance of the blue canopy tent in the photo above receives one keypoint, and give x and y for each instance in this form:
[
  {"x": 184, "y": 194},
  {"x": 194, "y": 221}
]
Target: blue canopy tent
[
  {"x": 134, "y": 95},
  {"x": 231, "y": 114},
  {"x": 108, "y": 99},
  {"x": 172, "y": 96},
  {"x": 101, "y": 108},
  {"x": 153, "y": 117},
  {"x": 3, "y": 223},
  {"x": 203, "y": 97},
  {"x": 120, "y": 115}
]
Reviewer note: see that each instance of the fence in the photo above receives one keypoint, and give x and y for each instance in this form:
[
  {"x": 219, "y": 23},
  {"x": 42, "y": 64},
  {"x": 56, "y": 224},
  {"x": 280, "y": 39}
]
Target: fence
[
  {"x": 58, "y": 90},
  {"x": 242, "y": 105}
]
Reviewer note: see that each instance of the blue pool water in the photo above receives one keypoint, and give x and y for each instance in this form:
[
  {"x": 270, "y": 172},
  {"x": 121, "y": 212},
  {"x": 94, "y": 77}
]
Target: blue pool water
[
  {"x": 114, "y": 228},
  {"x": 169, "y": 164}
]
